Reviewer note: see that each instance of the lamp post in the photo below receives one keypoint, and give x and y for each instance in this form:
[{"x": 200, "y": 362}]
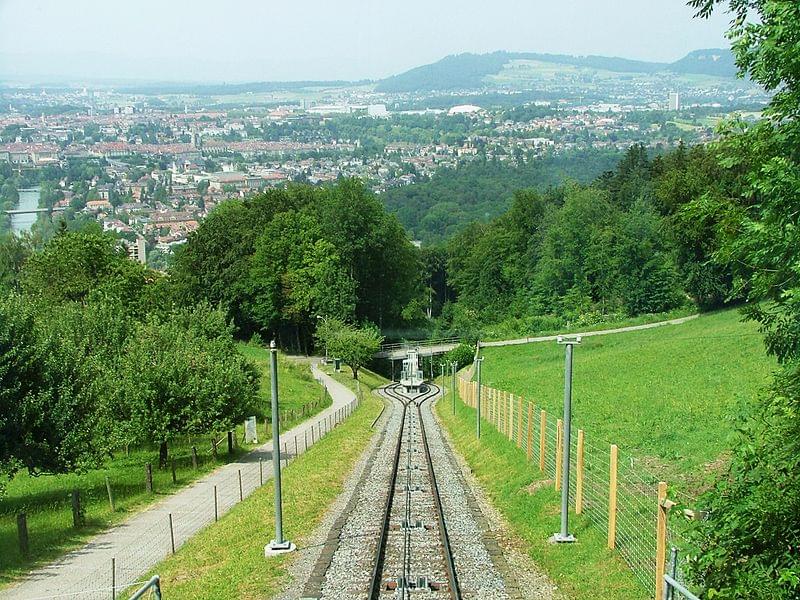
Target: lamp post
[
  {"x": 278, "y": 545},
  {"x": 563, "y": 536}
]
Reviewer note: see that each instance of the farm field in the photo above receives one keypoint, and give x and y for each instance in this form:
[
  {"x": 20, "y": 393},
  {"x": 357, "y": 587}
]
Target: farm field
[
  {"x": 664, "y": 395},
  {"x": 206, "y": 567},
  {"x": 46, "y": 499}
]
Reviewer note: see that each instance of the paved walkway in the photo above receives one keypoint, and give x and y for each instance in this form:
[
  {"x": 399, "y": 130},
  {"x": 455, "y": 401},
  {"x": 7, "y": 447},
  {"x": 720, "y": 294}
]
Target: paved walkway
[
  {"x": 550, "y": 338},
  {"x": 143, "y": 540}
]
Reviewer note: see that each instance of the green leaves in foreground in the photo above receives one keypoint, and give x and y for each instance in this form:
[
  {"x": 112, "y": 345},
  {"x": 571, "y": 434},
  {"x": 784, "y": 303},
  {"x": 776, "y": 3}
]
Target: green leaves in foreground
[{"x": 750, "y": 545}]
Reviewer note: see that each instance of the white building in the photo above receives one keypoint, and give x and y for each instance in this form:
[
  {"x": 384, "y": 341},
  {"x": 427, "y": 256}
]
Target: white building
[{"x": 674, "y": 101}]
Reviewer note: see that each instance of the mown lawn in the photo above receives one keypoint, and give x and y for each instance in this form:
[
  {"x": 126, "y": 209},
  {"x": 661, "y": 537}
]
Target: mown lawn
[
  {"x": 226, "y": 560},
  {"x": 585, "y": 570},
  {"x": 367, "y": 380},
  {"x": 665, "y": 395},
  {"x": 46, "y": 499}
]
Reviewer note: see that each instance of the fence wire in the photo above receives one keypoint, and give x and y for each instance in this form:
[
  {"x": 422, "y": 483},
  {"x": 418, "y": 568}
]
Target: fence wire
[{"x": 637, "y": 488}]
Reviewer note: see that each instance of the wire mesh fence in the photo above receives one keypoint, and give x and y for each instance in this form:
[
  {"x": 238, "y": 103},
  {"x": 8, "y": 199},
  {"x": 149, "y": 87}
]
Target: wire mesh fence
[
  {"x": 113, "y": 564},
  {"x": 617, "y": 494}
]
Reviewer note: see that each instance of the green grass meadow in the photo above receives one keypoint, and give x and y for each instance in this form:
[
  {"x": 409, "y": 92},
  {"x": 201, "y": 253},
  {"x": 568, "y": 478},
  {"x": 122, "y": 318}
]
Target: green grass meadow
[
  {"x": 664, "y": 395},
  {"x": 585, "y": 570},
  {"x": 46, "y": 499},
  {"x": 226, "y": 560}
]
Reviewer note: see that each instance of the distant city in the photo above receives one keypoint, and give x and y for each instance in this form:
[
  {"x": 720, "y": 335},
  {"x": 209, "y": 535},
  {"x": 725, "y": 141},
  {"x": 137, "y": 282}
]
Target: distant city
[{"x": 164, "y": 156}]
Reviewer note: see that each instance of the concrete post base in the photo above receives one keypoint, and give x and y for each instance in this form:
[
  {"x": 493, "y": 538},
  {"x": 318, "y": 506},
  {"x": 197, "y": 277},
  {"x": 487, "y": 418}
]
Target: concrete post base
[{"x": 274, "y": 548}]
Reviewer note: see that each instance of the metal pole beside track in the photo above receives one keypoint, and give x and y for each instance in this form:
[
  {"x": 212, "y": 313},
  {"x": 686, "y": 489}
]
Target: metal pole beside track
[
  {"x": 563, "y": 536},
  {"x": 278, "y": 545},
  {"x": 453, "y": 367}
]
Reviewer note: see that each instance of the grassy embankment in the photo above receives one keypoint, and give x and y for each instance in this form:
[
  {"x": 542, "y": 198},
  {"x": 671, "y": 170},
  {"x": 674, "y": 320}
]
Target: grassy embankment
[
  {"x": 367, "y": 380},
  {"x": 46, "y": 499},
  {"x": 663, "y": 395},
  {"x": 226, "y": 560}
]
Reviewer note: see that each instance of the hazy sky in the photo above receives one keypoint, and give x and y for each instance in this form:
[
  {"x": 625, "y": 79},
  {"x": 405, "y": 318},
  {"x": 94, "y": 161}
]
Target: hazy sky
[{"x": 247, "y": 40}]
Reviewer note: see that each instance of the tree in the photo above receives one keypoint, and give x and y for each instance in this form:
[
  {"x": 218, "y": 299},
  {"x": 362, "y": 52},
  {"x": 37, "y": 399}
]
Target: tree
[
  {"x": 354, "y": 345},
  {"x": 182, "y": 375},
  {"x": 747, "y": 548},
  {"x": 13, "y": 253},
  {"x": 75, "y": 266},
  {"x": 54, "y": 416}
]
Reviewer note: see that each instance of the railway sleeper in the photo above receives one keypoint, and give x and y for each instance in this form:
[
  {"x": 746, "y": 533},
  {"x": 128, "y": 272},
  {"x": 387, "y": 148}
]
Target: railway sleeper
[{"x": 418, "y": 583}]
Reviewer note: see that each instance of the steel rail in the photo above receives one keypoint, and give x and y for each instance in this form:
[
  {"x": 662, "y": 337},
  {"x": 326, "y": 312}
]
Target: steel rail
[
  {"x": 455, "y": 590},
  {"x": 392, "y": 392},
  {"x": 377, "y": 569}
]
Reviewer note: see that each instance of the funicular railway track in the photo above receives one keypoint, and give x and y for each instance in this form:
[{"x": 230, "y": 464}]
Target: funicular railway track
[{"x": 413, "y": 552}]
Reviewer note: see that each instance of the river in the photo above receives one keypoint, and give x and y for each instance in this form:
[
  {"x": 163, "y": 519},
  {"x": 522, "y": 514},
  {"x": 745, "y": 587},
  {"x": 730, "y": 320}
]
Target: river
[{"x": 28, "y": 200}]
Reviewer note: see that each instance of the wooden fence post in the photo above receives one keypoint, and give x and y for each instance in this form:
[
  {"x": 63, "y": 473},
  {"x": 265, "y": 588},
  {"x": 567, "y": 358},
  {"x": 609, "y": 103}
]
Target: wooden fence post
[
  {"x": 230, "y": 442},
  {"x": 661, "y": 539},
  {"x": 507, "y": 428},
  {"x": 110, "y": 494},
  {"x": 579, "y": 475},
  {"x": 542, "y": 439},
  {"x": 171, "y": 534},
  {"x": 77, "y": 513},
  {"x": 194, "y": 457},
  {"x": 559, "y": 451},
  {"x": 148, "y": 478},
  {"x": 519, "y": 422},
  {"x": 510, "y": 429},
  {"x": 530, "y": 432},
  {"x": 612, "y": 499},
  {"x": 22, "y": 533}
]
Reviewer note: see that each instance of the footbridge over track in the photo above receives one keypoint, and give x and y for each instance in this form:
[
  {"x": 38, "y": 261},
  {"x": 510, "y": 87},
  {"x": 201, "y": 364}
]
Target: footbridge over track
[{"x": 425, "y": 347}]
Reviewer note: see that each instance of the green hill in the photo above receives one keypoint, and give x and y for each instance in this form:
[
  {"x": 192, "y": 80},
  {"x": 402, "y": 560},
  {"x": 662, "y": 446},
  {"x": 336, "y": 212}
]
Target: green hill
[{"x": 470, "y": 71}]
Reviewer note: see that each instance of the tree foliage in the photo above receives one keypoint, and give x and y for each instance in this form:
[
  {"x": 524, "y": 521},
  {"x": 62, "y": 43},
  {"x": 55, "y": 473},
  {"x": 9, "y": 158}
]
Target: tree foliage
[
  {"x": 354, "y": 345},
  {"x": 282, "y": 258},
  {"x": 93, "y": 355},
  {"x": 748, "y": 546}
]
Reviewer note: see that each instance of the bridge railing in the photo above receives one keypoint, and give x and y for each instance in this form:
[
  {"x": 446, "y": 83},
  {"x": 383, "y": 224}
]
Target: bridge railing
[{"x": 419, "y": 344}]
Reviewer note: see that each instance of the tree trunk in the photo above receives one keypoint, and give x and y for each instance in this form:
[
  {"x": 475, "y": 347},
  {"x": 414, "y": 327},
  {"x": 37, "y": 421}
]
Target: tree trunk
[
  {"x": 355, "y": 372},
  {"x": 162, "y": 455}
]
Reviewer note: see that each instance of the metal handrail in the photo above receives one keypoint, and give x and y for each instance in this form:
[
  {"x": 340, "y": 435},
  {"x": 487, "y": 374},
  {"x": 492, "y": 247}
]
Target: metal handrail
[
  {"x": 155, "y": 583},
  {"x": 671, "y": 583}
]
